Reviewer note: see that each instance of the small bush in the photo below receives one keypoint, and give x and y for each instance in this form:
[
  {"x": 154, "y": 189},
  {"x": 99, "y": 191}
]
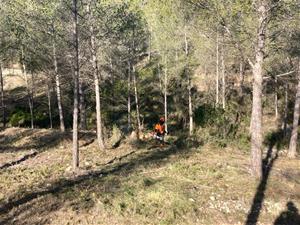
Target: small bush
[
  {"x": 20, "y": 118},
  {"x": 221, "y": 126}
]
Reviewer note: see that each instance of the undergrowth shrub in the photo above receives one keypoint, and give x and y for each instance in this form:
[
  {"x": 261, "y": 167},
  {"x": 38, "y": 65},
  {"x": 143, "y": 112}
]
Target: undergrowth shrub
[
  {"x": 19, "y": 119},
  {"x": 222, "y": 126},
  {"x": 22, "y": 118}
]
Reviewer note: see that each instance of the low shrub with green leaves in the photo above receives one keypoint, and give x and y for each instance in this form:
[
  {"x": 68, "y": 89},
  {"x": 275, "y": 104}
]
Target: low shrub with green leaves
[
  {"x": 19, "y": 119},
  {"x": 222, "y": 126}
]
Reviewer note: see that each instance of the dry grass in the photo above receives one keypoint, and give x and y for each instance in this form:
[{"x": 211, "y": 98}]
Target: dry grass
[{"x": 135, "y": 184}]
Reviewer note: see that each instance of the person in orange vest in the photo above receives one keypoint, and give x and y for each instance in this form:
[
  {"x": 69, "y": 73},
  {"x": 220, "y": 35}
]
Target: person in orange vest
[{"x": 160, "y": 130}]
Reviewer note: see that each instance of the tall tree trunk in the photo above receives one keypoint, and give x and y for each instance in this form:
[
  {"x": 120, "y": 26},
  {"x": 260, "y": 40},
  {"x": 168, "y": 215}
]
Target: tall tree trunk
[
  {"x": 57, "y": 87},
  {"x": 138, "y": 120},
  {"x": 2, "y": 97},
  {"x": 294, "y": 137},
  {"x": 113, "y": 103},
  {"x": 256, "y": 117},
  {"x": 286, "y": 88},
  {"x": 129, "y": 96},
  {"x": 217, "y": 70},
  {"x": 76, "y": 87},
  {"x": 223, "y": 76},
  {"x": 276, "y": 97},
  {"x": 32, "y": 99},
  {"x": 82, "y": 107},
  {"x": 29, "y": 92},
  {"x": 96, "y": 81},
  {"x": 49, "y": 105},
  {"x": 191, "y": 120},
  {"x": 191, "y": 123},
  {"x": 165, "y": 94}
]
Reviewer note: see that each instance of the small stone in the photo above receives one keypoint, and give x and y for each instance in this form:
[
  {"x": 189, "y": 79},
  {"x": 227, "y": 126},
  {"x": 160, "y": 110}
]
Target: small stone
[{"x": 68, "y": 169}]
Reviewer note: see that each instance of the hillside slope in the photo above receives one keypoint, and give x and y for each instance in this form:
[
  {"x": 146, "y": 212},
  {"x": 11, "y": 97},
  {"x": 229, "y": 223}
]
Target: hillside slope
[{"x": 140, "y": 183}]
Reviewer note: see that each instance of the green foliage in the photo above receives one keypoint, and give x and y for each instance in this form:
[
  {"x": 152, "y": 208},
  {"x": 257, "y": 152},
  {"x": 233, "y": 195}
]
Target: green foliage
[
  {"x": 19, "y": 119},
  {"x": 221, "y": 126},
  {"x": 207, "y": 115}
]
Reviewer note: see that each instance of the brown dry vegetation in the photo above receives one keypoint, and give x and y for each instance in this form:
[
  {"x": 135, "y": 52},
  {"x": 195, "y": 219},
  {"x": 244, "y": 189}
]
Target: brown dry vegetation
[{"x": 138, "y": 183}]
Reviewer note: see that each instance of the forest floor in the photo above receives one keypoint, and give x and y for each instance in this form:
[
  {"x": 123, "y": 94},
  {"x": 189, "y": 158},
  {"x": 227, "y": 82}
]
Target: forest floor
[{"x": 140, "y": 183}]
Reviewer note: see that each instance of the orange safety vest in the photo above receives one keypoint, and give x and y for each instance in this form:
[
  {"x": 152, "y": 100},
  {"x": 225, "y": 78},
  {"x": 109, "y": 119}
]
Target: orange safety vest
[{"x": 160, "y": 128}]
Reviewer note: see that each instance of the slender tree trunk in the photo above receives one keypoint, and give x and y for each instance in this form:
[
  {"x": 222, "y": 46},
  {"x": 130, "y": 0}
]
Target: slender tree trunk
[
  {"x": 191, "y": 120},
  {"x": 217, "y": 71},
  {"x": 76, "y": 87},
  {"x": 165, "y": 94},
  {"x": 138, "y": 120},
  {"x": 96, "y": 81},
  {"x": 82, "y": 107},
  {"x": 285, "y": 109},
  {"x": 113, "y": 103},
  {"x": 58, "y": 90},
  {"x": 129, "y": 96},
  {"x": 256, "y": 117},
  {"x": 32, "y": 100},
  {"x": 29, "y": 93},
  {"x": 294, "y": 137},
  {"x": 49, "y": 105},
  {"x": 276, "y": 98},
  {"x": 223, "y": 77},
  {"x": 191, "y": 123},
  {"x": 2, "y": 97}
]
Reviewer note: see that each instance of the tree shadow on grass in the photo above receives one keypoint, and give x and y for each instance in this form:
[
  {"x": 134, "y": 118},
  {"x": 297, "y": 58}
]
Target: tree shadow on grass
[
  {"x": 272, "y": 155},
  {"x": 28, "y": 204}
]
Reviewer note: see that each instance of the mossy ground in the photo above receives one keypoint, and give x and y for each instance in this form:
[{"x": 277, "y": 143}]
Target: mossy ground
[{"x": 137, "y": 183}]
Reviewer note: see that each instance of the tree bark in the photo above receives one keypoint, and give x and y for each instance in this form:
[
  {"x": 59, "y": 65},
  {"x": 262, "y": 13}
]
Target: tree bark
[
  {"x": 294, "y": 137},
  {"x": 32, "y": 100},
  {"x": 2, "y": 97},
  {"x": 285, "y": 109},
  {"x": 100, "y": 140},
  {"x": 276, "y": 98},
  {"x": 29, "y": 92},
  {"x": 49, "y": 105},
  {"x": 129, "y": 96},
  {"x": 76, "y": 87},
  {"x": 58, "y": 90},
  {"x": 166, "y": 94},
  {"x": 191, "y": 120},
  {"x": 138, "y": 120},
  {"x": 223, "y": 76},
  {"x": 217, "y": 71},
  {"x": 256, "y": 117}
]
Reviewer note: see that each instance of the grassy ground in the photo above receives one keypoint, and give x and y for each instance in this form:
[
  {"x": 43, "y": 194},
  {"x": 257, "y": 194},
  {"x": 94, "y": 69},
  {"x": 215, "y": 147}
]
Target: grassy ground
[{"x": 140, "y": 183}]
